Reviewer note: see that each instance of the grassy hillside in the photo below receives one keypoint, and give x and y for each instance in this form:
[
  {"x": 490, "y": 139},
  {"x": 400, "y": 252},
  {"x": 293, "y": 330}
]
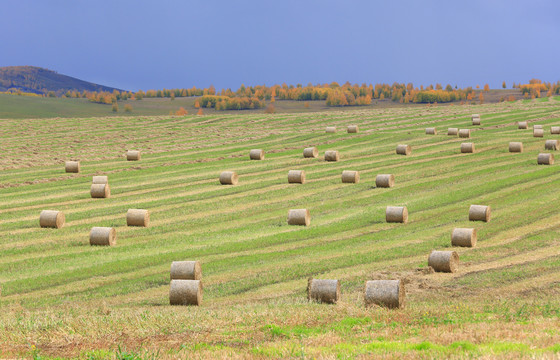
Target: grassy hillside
[{"x": 62, "y": 297}]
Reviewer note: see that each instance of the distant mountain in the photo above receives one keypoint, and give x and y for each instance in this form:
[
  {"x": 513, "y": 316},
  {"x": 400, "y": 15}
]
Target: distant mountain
[{"x": 40, "y": 81}]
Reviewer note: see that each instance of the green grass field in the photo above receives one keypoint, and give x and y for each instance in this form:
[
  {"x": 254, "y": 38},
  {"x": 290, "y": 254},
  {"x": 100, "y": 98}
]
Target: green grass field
[{"x": 62, "y": 298}]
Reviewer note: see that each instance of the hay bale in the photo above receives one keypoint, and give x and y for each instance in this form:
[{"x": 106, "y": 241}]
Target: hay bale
[
  {"x": 545, "y": 159},
  {"x": 299, "y": 217},
  {"x": 444, "y": 261},
  {"x": 479, "y": 213},
  {"x": 536, "y": 126},
  {"x": 452, "y": 131},
  {"x": 330, "y": 129},
  {"x": 137, "y": 217},
  {"x": 467, "y": 148},
  {"x": 100, "y": 180},
  {"x": 100, "y": 191},
  {"x": 386, "y": 293},
  {"x": 475, "y": 116},
  {"x": 102, "y": 236},
  {"x": 516, "y": 147},
  {"x": 256, "y": 154},
  {"x": 228, "y": 178},
  {"x": 465, "y": 237},
  {"x": 555, "y": 130},
  {"x": 396, "y": 214},
  {"x": 186, "y": 270},
  {"x": 476, "y": 121},
  {"x": 332, "y": 155},
  {"x": 133, "y": 155},
  {"x": 465, "y": 133},
  {"x": 522, "y": 125},
  {"x": 296, "y": 177},
  {"x": 352, "y": 129},
  {"x": 404, "y": 149},
  {"x": 349, "y": 176},
  {"x": 310, "y": 152},
  {"x": 385, "y": 180},
  {"x": 551, "y": 144},
  {"x": 431, "y": 131},
  {"x": 72, "y": 166},
  {"x": 51, "y": 219},
  {"x": 323, "y": 290},
  {"x": 185, "y": 292},
  {"x": 538, "y": 132}
]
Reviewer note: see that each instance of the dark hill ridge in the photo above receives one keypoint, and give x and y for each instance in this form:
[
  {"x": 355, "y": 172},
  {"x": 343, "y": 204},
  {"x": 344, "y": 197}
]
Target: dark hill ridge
[{"x": 40, "y": 81}]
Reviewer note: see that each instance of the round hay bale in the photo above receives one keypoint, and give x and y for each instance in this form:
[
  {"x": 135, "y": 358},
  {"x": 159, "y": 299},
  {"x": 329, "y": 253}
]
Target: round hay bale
[
  {"x": 310, "y": 152},
  {"x": 137, "y": 217},
  {"x": 386, "y": 293},
  {"x": 299, "y": 217},
  {"x": 467, "y": 148},
  {"x": 185, "y": 292},
  {"x": 465, "y": 237},
  {"x": 551, "y": 144},
  {"x": 323, "y": 290},
  {"x": 404, "y": 149},
  {"x": 330, "y": 129},
  {"x": 102, "y": 236},
  {"x": 452, "y": 131},
  {"x": 538, "y": 132},
  {"x": 228, "y": 178},
  {"x": 545, "y": 159},
  {"x": 555, "y": 130},
  {"x": 51, "y": 219},
  {"x": 444, "y": 261},
  {"x": 475, "y": 116},
  {"x": 100, "y": 180},
  {"x": 349, "y": 176},
  {"x": 516, "y": 147},
  {"x": 186, "y": 270},
  {"x": 479, "y": 213},
  {"x": 536, "y": 126},
  {"x": 352, "y": 129},
  {"x": 296, "y": 177},
  {"x": 133, "y": 155},
  {"x": 475, "y": 121},
  {"x": 385, "y": 180},
  {"x": 332, "y": 155},
  {"x": 396, "y": 214},
  {"x": 465, "y": 133},
  {"x": 100, "y": 191},
  {"x": 522, "y": 125},
  {"x": 256, "y": 154},
  {"x": 431, "y": 131},
  {"x": 72, "y": 166}
]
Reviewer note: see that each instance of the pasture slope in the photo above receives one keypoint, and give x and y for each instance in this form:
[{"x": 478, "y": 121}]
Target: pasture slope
[{"x": 63, "y": 298}]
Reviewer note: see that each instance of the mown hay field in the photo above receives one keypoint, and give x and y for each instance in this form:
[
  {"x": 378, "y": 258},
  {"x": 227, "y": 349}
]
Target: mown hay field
[{"x": 62, "y": 297}]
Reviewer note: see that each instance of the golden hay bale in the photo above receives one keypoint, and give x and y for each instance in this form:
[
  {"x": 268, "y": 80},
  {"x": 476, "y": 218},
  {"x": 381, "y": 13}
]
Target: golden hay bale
[
  {"x": 133, "y": 155},
  {"x": 228, "y": 178},
  {"x": 551, "y": 144},
  {"x": 186, "y": 270},
  {"x": 404, "y": 149},
  {"x": 185, "y": 292},
  {"x": 386, "y": 293},
  {"x": 479, "y": 213},
  {"x": 51, "y": 219},
  {"x": 100, "y": 191},
  {"x": 72, "y": 166},
  {"x": 352, "y": 129},
  {"x": 296, "y": 177},
  {"x": 256, "y": 154},
  {"x": 545, "y": 159},
  {"x": 536, "y": 126},
  {"x": 349, "y": 176},
  {"x": 323, "y": 290},
  {"x": 515, "y": 147},
  {"x": 538, "y": 132},
  {"x": 444, "y": 261},
  {"x": 522, "y": 125},
  {"x": 463, "y": 237},
  {"x": 385, "y": 180},
  {"x": 137, "y": 217},
  {"x": 103, "y": 236},
  {"x": 310, "y": 152},
  {"x": 431, "y": 131},
  {"x": 100, "y": 180},
  {"x": 467, "y": 148},
  {"x": 330, "y": 129},
  {"x": 396, "y": 214},
  {"x": 464, "y": 133},
  {"x": 555, "y": 130},
  {"x": 332, "y": 155},
  {"x": 299, "y": 217},
  {"x": 452, "y": 131}
]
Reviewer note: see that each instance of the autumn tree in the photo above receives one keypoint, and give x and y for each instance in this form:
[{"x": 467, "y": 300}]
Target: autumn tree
[
  {"x": 181, "y": 111},
  {"x": 128, "y": 108},
  {"x": 200, "y": 112},
  {"x": 481, "y": 98},
  {"x": 196, "y": 104},
  {"x": 486, "y": 87},
  {"x": 115, "y": 107},
  {"x": 504, "y": 85},
  {"x": 270, "y": 109}
]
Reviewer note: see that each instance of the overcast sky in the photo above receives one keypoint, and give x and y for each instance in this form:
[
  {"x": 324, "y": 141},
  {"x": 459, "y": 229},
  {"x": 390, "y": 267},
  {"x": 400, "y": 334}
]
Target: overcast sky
[{"x": 137, "y": 44}]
